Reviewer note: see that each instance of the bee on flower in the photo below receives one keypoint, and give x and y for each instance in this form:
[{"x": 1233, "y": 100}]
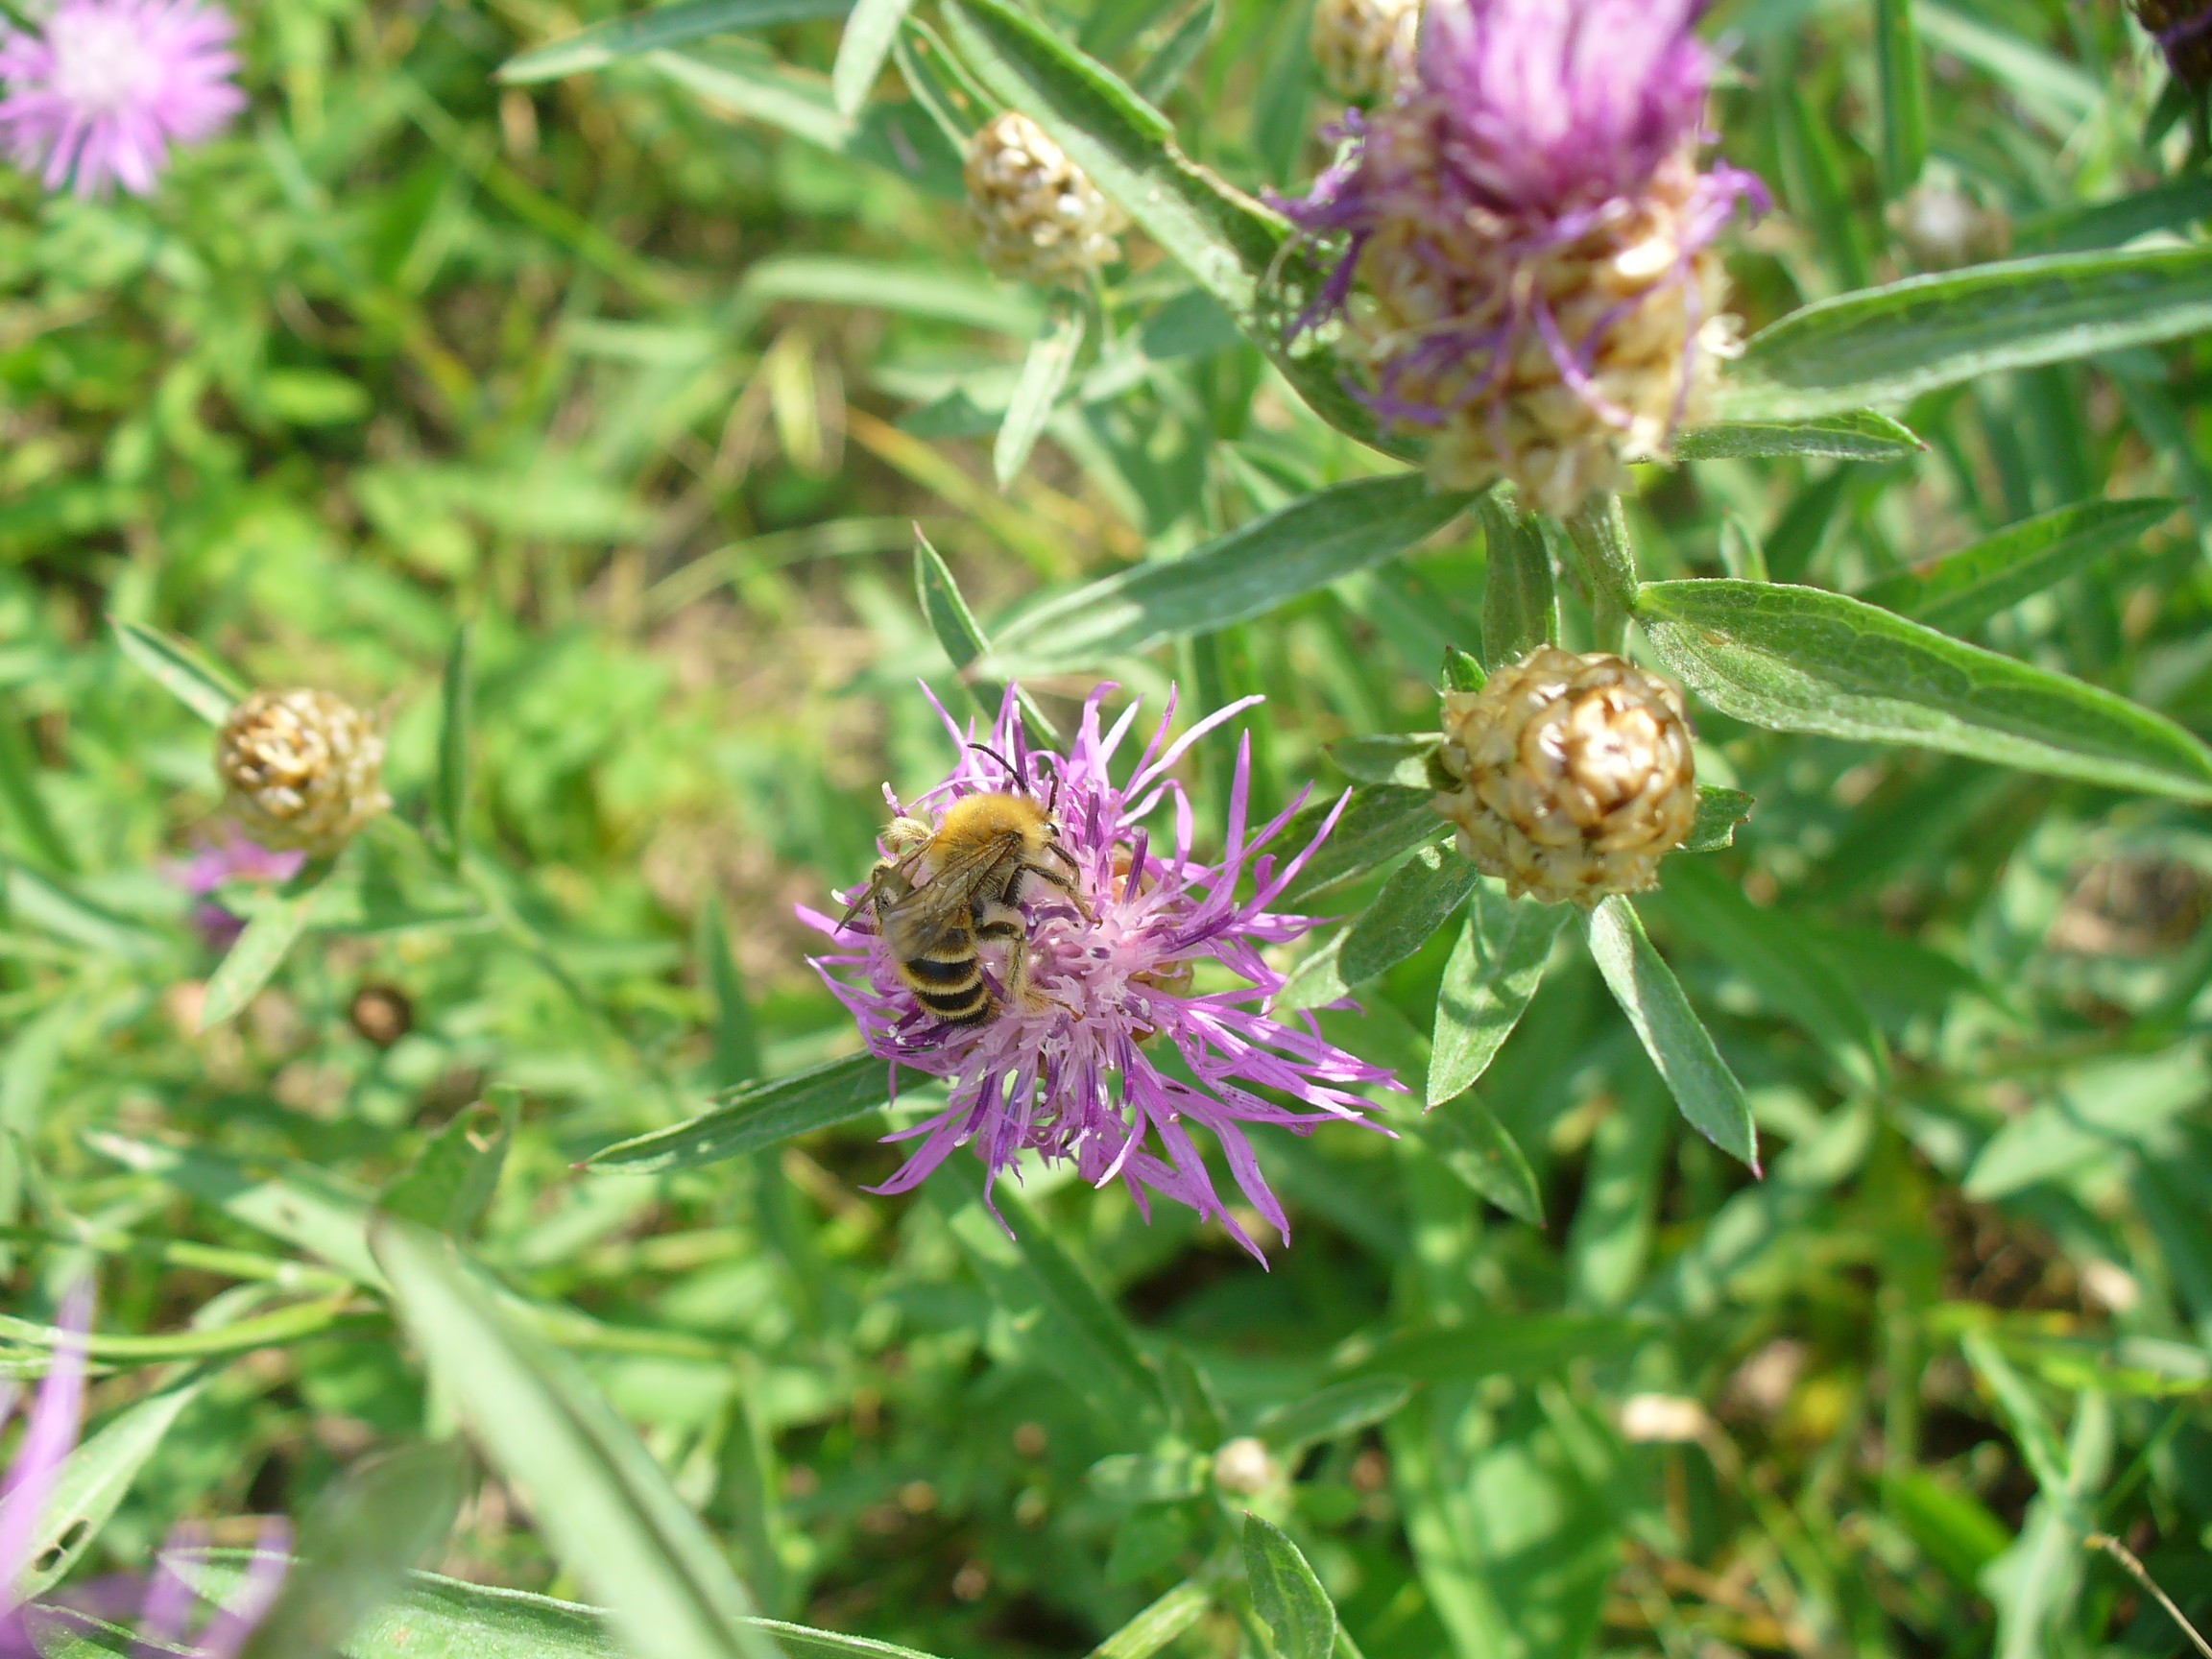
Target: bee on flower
[
  {"x": 1064, "y": 1005},
  {"x": 1530, "y": 237}
]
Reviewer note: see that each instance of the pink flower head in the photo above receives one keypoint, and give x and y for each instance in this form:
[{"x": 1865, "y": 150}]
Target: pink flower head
[
  {"x": 1080, "y": 1069},
  {"x": 215, "y": 863},
  {"x": 104, "y": 86},
  {"x": 165, "y": 1604}
]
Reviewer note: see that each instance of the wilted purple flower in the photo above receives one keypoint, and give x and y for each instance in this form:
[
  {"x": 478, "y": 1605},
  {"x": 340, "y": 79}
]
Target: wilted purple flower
[
  {"x": 165, "y": 1604},
  {"x": 2184, "y": 31},
  {"x": 1072, "y": 1073},
  {"x": 215, "y": 863},
  {"x": 1532, "y": 234},
  {"x": 102, "y": 88}
]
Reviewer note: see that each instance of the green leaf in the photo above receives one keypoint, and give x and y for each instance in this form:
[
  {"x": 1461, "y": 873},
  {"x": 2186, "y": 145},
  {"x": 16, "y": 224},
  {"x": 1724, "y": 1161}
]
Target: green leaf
[
  {"x": 737, "y": 1040},
  {"x": 926, "y": 291},
  {"x": 263, "y": 1330},
  {"x": 1067, "y": 1326},
  {"x": 1045, "y": 373},
  {"x": 1680, "y": 1046},
  {"x": 1462, "y": 671},
  {"x": 93, "y": 1481},
  {"x": 1854, "y": 435},
  {"x": 1887, "y": 346},
  {"x": 297, "y": 1203},
  {"x": 1341, "y": 1409},
  {"x": 1419, "y": 897},
  {"x": 1801, "y": 660},
  {"x": 870, "y": 29},
  {"x": 1519, "y": 1346},
  {"x": 1233, "y": 578},
  {"x": 2171, "y": 206},
  {"x": 658, "y": 26},
  {"x": 1962, "y": 590},
  {"x": 2033, "y": 1430},
  {"x": 1399, "y": 758},
  {"x": 1467, "y": 1139},
  {"x": 450, "y": 804},
  {"x": 261, "y": 948},
  {"x": 1492, "y": 975},
  {"x": 1950, "y": 1527},
  {"x": 453, "y": 1177},
  {"x": 436, "y": 1618},
  {"x": 1718, "y": 811},
  {"x": 1381, "y": 821},
  {"x": 1519, "y": 607},
  {"x": 1159, "y": 1625},
  {"x": 185, "y": 672},
  {"x": 1769, "y": 952},
  {"x": 1286, "y": 1593},
  {"x": 384, "y": 1513},
  {"x": 594, "y": 1492},
  {"x": 755, "y": 1115},
  {"x": 1600, "y": 536},
  {"x": 19, "y": 789},
  {"x": 1231, "y": 244},
  {"x": 1904, "y": 95},
  {"x": 1164, "y": 69},
  {"x": 1129, "y": 1477},
  {"x": 963, "y": 637}
]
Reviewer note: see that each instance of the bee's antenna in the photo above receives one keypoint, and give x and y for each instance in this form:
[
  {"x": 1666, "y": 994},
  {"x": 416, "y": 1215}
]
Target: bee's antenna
[{"x": 1013, "y": 774}]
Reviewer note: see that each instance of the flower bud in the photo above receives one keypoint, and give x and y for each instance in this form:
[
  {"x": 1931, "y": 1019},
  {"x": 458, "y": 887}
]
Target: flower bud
[
  {"x": 1244, "y": 1467},
  {"x": 1038, "y": 215},
  {"x": 302, "y": 769},
  {"x": 2183, "y": 29},
  {"x": 1364, "y": 47},
  {"x": 1575, "y": 773},
  {"x": 1944, "y": 227}
]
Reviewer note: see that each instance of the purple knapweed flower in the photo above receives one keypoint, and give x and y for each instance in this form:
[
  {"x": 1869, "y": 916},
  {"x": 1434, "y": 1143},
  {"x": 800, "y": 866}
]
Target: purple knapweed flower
[
  {"x": 1075, "y": 1070},
  {"x": 162, "y": 1605},
  {"x": 103, "y": 87},
  {"x": 1531, "y": 237},
  {"x": 212, "y": 865}
]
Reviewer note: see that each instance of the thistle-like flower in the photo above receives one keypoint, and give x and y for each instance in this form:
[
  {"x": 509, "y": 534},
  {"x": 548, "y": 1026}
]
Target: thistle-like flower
[
  {"x": 213, "y": 865},
  {"x": 1364, "y": 47},
  {"x": 1076, "y": 1070},
  {"x": 103, "y": 88},
  {"x": 1037, "y": 215},
  {"x": 161, "y": 1604},
  {"x": 1575, "y": 775},
  {"x": 302, "y": 769},
  {"x": 1533, "y": 238},
  {"x": 2183, "y": 30}
]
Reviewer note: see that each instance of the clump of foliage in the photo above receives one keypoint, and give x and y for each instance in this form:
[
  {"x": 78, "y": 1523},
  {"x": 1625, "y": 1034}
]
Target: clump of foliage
[{"x": 548, "y": 449}]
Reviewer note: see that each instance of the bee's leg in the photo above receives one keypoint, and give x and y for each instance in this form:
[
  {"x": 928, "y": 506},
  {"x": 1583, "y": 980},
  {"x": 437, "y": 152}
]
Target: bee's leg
[
  {"x": 1052, "y": 878},
  {"x": 1002, "y": 923}
]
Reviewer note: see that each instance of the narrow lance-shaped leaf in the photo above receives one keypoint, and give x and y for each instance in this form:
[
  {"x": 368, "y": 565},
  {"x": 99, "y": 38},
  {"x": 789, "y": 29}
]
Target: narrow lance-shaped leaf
[
  {"x": 655, "y": 27},
  {"x": 455, "y": 718},
  {"x": 1159, "y": 1625},
  {"x": 184, "y": 671},
  {"x": 1887, "y": 346},
  {"x": 384, "y": 1513},
  {"x": 1164, "y": 69},
  {"x": 755, "y": 1115},
  {"x": 1855, "y": 435},
  {"x": 594, "y": 1491},
  {"x": 1680, "y": 1046},
  {"x": 869, "y": 31},
  {"x": 1903, "y": 96},
  {"x": 1233, "y": 578},
  {"x": 1286, "y": 1593},
  {"x": 1802, "y": 659},
  {"x": 1488, "y": 982},
  {"x": 1468, "y": 1138},
  {"x": 1381, "y": 821},
  {"x": 1962, "y": 590},
  {"x": 1719, "y": 811},
  {"x": 736, "y": 1041},
  {"x": 261, "y": 948},
  {"x": 963, "y": 637},
  {"x": 1338, "y": 1409},
  {"x": 1519, "y": 607},
  {"x": 1419, "y": 897},
  {"x": 19, "y": 789},
  {"x": 1045, "y": 373},
  {"x": 452, "y": 1179}
]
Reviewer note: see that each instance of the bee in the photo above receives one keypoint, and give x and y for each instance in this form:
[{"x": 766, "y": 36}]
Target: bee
[{"x": 980, "y": 857}]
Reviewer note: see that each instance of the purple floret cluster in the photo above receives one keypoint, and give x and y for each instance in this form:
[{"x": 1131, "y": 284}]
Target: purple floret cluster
[{"x": 1121, "y": 1052}]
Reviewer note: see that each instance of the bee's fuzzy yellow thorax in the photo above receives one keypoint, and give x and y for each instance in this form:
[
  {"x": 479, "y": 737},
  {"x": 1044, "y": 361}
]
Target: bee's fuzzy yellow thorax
[{"x": 978, "y": 818}]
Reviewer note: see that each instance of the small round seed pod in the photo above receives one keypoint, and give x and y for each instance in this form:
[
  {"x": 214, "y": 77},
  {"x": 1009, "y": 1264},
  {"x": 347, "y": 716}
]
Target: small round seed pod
[
  {"x": 1364, "y": 47},
  {"x": 1037, "y": 216},
  {"x": 1575, "y": 775},
  {"x": 302, "y": 769}
]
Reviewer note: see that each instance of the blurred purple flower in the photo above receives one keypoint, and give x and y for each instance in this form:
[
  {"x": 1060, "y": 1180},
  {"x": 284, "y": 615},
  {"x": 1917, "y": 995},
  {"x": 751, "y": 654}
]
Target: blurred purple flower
[
  {"x": 103, "y": 87},
  {"x": 165, "y": 1604},
  {"x": 212, "y": 865},
  {"x": 1074, "y": 1075},
  {"x": 1531, "y": 227}
]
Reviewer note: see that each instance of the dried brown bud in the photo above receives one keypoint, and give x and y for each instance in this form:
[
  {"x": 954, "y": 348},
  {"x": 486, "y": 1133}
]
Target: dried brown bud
[
  {"x": 2183, "y": 28},
  {"x": 1364, "y": 47},
  {"x": 1575, "y": 775},
  {"x": 1037, "y": 216},
  {"x": 302, "y": 768}
]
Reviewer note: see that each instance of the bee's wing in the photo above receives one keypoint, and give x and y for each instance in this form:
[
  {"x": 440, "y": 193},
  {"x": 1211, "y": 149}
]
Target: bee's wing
[{"x": 923, "y": 915}]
